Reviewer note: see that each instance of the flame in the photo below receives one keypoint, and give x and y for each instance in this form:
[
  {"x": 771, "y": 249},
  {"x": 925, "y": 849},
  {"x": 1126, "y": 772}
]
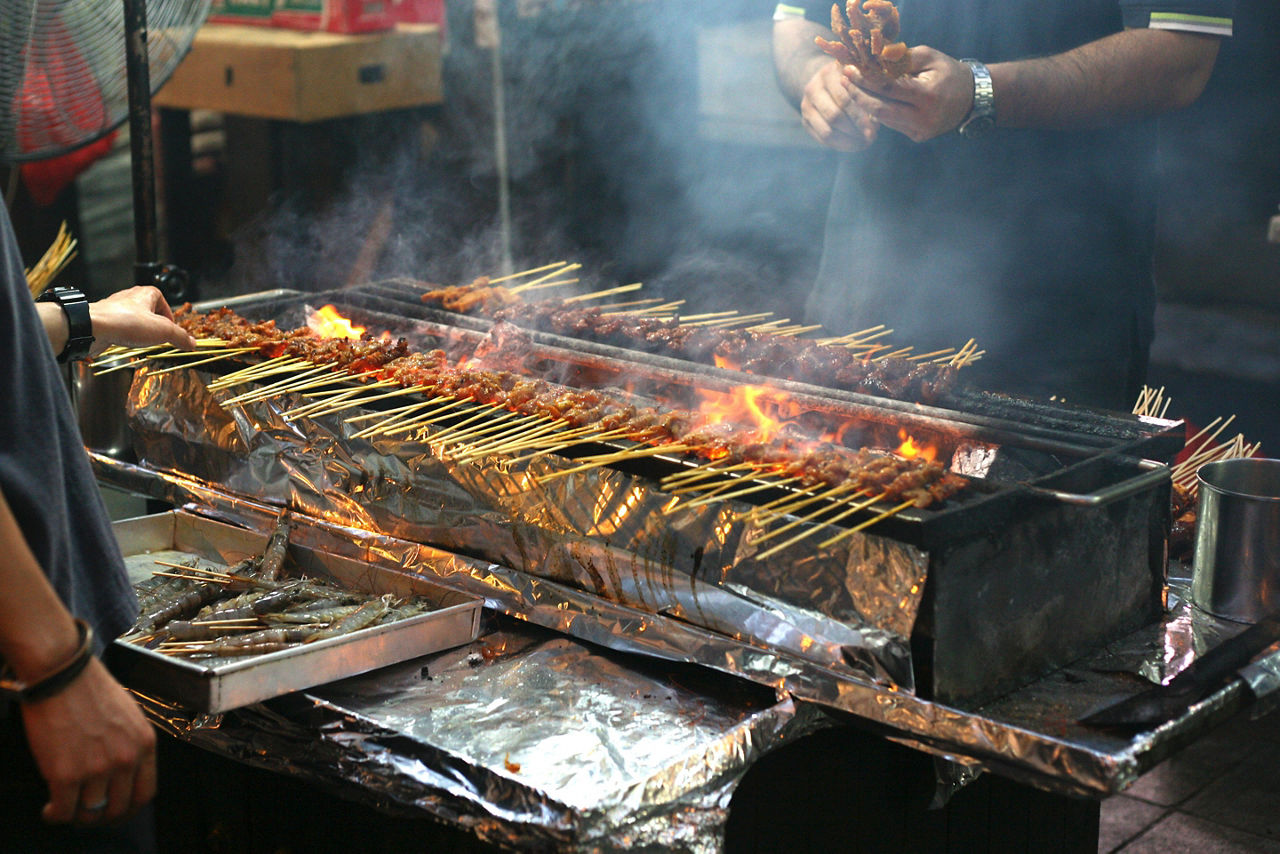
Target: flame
[
  {"x": 910, "y": 450},
  {"x": 328, "y": 323},
  {"x": 749, "y": 406},
  {"x": 725, "y": 363}
]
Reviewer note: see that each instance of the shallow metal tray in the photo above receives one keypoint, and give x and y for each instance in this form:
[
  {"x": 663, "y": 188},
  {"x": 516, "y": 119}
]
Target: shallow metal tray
[{"x": 222, "y": 685}]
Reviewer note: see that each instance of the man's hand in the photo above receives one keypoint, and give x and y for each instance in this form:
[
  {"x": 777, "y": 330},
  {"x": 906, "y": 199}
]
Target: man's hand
[
  {"x": 831, "y": 112},
  {"x": 136, "y": 317},
  {"x": 95, "y": 749},
  {"x": 931, "y": 100}
]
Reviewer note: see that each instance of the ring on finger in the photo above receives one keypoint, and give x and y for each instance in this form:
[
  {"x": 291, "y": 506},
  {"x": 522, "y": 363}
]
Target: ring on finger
[{"x": 97, "y": 806}]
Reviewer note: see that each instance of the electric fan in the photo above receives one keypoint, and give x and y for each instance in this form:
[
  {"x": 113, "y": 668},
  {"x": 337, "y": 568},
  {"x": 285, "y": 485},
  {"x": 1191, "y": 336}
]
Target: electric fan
[{"x": 72, "y": 71}]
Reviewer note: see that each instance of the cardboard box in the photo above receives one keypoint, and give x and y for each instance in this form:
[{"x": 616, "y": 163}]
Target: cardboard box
[
  {"x": 335, "y": 16},
  {"x": 256, "y": 12},
  {"x": 272, "y": 73}
]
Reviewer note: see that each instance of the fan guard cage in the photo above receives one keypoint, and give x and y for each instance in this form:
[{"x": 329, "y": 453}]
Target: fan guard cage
[{"x": 63, "y": 68}]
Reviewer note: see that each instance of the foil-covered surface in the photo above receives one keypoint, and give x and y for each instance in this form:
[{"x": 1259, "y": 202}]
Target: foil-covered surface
[
  {"x": 1030, "y": 735},
  {"x": 594, "y": 557},
  {"x": 849, "y": 608},
  {"x": 529, "y": 739}
]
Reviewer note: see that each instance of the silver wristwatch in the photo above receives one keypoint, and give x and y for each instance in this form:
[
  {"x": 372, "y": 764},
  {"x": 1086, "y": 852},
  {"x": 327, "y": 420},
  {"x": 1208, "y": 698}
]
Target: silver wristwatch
[{"x": 982, "y": 117}]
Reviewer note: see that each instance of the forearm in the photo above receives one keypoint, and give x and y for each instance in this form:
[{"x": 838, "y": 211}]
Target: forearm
[
  {"x": 796, "y": 59},
  {"x": 55, "y": 324},
  {"x": 36, "y": 630},
  {"x": 1129, "y": 74}
]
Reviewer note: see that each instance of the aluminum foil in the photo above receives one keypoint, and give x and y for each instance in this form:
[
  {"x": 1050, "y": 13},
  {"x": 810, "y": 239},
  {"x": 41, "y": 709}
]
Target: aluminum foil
[
  {"x": 1030, "y": 735},
  {"x": 594, "y": 557},
  {"x": 527, "y": 738},
  {"x": 848, "y": 608}
]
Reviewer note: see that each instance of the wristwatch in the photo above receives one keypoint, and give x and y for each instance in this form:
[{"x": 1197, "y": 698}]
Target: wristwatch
[
  {"x": 79, "y": 326},
  {"x": 982, "y": 116}
]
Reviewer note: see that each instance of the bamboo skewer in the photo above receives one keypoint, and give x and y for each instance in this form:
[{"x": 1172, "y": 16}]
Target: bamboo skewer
[
  {"x": 756, "y": 486},
  {"x": 499, "y": 425},
  {"x": 707, "y": 316},
  {"x": 615, "y": 305},
  {"x": 547, "y": 277},
  {"x": 827, "y": 508},
  {"x": 771, "y": 326},
  {"x": 266, "y": 368},
  {"x": 729, "y": 323},
  {"x": 701, "y": 472},
  {"x": 783, "y": 506},
  {"x": 197, "y": 569},
  {"x": 54, "y": 260},
  {"x": 620, "y": 456},
  {"x": 369, "y": 416},
  {"x": 215, "y": 358},
  {"x": 523, "y": 273},
  {"x": 946, "y": 351},
  {"x": 803, "y": 535},
  {"x": 500, "y": 443},
  {"x": 568, "y": 440},
  {"x": 862, "y": 526},
  {"x": 799, "y": 330},
  {"x": 411, "y": 421},
  {"x": 262, "y": 392},
  {"x": 663, "y": 308},
  {"x": 620, "y": 289},
  {"x": 556, "y": 284},
  {"x": 339, "y": 401}
]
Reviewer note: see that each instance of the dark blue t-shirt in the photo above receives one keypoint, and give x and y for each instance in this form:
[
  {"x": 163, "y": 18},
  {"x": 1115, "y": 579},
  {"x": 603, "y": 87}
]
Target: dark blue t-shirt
[
  {"x": 1036, "y": 243},
  {"x": 44, "y": 471}
]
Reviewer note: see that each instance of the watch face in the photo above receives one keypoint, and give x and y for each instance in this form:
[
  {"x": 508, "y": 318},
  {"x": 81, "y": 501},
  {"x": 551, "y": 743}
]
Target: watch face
[{"x": 977, "y": 126}]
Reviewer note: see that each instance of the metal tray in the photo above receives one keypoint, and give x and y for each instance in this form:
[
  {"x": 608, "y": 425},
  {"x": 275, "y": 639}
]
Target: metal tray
[{"x": 221, "y": 686}]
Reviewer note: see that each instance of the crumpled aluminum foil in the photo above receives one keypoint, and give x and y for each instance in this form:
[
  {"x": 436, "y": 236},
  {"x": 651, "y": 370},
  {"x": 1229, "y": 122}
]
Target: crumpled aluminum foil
[
  {"x": 850, "y": 608},
  {"x": 592, "y": 557},
  {"x": 1030, "y": 735},
  {"x": 527, "y": 738}
]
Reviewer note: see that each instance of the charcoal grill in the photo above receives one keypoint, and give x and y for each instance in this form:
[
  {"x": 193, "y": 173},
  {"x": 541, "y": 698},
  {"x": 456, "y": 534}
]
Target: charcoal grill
[{"x": 1058, "y": 547}]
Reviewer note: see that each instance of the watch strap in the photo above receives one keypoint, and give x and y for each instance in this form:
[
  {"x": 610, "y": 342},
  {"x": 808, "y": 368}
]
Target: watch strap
[
  {"x": 75, "y": 305},
  {"x": 982, "y": 115}
]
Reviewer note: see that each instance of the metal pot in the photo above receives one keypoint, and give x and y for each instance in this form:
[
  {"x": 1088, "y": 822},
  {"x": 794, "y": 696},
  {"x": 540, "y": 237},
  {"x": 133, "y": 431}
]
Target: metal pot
[
  {"x": 99, "y": 402},
  {"x": 1236, "y": 573}
]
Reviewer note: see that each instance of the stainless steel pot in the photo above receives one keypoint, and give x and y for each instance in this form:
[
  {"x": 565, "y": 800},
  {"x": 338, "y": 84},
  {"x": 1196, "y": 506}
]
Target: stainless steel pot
[
  {"x": 1236, "y": 573},
  {"x": 99, "y": 401}
]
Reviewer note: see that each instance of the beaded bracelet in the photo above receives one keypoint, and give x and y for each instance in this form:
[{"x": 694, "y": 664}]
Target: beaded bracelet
[{"x": 61, "y": 676}]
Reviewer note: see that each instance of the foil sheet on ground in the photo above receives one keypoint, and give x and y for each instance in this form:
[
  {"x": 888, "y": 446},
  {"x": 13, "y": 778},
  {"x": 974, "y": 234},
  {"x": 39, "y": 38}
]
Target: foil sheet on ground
[
  {"x": 603, "y": 531},
  {"x": 529, "y": 739}
]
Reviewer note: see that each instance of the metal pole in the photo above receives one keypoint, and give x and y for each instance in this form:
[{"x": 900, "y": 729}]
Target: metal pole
[
  {"x": 147, "y": 269},
  {"x": 141, "y": 144}
]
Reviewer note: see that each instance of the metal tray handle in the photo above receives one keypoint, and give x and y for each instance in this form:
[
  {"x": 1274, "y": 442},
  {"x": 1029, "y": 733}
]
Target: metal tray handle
[{"x": 1155, "y": 472}]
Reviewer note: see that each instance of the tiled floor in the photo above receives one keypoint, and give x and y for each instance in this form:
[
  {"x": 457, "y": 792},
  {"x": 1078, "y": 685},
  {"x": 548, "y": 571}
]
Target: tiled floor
[{"x": 1221, "y": 795}]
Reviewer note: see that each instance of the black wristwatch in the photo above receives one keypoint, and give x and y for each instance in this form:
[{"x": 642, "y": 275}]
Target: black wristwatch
[
  {"x": 79, "y": 326},
  {"x": 982, "y": 117}
]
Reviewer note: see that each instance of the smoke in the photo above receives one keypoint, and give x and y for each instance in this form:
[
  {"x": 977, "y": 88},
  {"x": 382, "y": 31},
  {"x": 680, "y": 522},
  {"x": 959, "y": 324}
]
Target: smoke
[{"x": 645, "y": 140}]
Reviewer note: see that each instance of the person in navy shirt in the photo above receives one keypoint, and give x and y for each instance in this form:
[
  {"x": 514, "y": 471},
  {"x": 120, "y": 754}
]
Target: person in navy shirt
[{"x": 1003, "y": 188}]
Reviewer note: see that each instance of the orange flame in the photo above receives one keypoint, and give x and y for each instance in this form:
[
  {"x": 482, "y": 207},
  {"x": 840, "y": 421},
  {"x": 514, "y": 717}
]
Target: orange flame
[
  {"x": 749, "y": 406},
  {"x": 910, "y": 450},
  {"x": 328, "y": 323}
]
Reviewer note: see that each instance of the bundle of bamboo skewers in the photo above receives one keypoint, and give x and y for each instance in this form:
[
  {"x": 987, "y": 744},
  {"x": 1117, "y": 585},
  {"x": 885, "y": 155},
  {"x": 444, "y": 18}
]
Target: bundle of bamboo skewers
[{"x": 55, "y": 259}]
